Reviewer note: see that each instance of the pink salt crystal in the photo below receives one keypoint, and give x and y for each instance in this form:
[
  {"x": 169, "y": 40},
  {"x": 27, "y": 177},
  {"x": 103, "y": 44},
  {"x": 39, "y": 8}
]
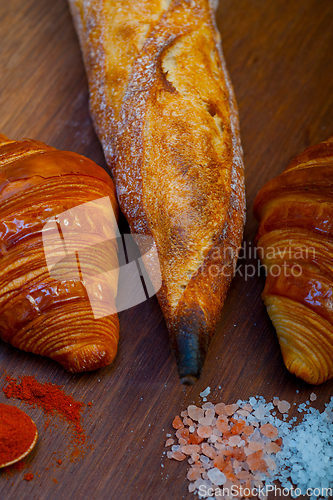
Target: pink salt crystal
[
  {"x": 222, "y": 423},
  {"x": 247, "y": 407},
  {"x": 190, "y": 448},
  {"x": 220, "y": 409},
  {"x": 283, "y": 406},
  {"x": 271, "y": 448},
  {"x": 205, "y": 421},
  {"x": 208, "y": 406},
  {"x": 269, "y": 431},
  {"x": 212, "y": 439},
  {"x": 177, "y": 423},
  {"x": 248, "y": 430},
  {"x": 243, "y": 474},
  {"x": 195, "y": 456},
  {"x": 187, "y": 421},
  {"x": 234, "y": 440},
  {"x": 194, "y": 473},
  {"x": 256, "y": 462},
  {"x": 255, "y": 423},
  {"x": 208, "y": 450},
  {"x": 178, "y": 455},
  {"x": 169, "y": 442},
  {"x": 257, "y": 482},
  {"x": 204, "y": 431},
  {"x": 183, "y": 413},
  {"x": 230, "y": 409},
  {"x": 182, "y": 441},
  {"x": 271, "y": 464},
  {"x": 243, "y": 413},
  {"x": 210, "y": 413},
  {"x": 256, "y": 445},
  {"x": 182, "y": 433},
  {"x": 219, "y": 462},
  {"x": 235, "y": 464},
  {"x": 195, "y": 413},
  {"x": 192, "y": 487},
  {"x": 313, "y": 397},
  {"x": 275, "y": 401},
  {"x": 247, "y": 451}
]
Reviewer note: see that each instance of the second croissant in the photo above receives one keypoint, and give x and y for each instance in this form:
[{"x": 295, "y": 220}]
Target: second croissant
[{"x": 295, "y": 243}]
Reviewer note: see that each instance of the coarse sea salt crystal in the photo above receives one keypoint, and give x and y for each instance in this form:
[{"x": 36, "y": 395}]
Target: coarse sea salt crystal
[{"x": 205, "y": 393}]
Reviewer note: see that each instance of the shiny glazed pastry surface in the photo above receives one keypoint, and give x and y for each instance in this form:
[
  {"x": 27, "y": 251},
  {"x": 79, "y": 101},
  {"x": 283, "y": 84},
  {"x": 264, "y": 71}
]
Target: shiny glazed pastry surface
[
  {"x": 295, "y": 242},
  {"x": 164, "y": 109},
  {"x": 44, "y": 311}
]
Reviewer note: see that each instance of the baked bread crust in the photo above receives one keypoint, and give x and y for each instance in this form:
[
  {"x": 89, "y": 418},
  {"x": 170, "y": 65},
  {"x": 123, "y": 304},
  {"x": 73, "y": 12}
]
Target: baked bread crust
[{"x": 165, "y": 112}]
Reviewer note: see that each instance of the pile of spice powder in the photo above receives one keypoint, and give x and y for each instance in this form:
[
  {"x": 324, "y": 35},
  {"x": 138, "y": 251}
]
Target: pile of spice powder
[
  {"x": 51, "y": 398},
  {"x": 237, "y": 449}
]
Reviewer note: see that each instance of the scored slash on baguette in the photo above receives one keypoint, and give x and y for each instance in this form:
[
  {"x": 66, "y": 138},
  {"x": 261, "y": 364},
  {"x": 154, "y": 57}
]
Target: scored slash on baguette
[{"x": 164, "y": 110}]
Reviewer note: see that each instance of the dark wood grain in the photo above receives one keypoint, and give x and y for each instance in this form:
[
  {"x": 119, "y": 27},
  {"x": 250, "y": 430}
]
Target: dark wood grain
[{"x": 279, "y": 55}]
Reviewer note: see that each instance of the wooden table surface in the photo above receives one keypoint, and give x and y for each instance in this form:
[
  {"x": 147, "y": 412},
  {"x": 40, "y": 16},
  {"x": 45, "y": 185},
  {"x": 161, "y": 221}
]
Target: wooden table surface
[{"x": 279, "y": 55}]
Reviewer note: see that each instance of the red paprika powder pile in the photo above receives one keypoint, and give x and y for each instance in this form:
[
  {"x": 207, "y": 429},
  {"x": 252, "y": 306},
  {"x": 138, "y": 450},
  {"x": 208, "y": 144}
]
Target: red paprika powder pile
[
  {"x": 50, "y": 397},
  {"x": 17, "y": 433}
]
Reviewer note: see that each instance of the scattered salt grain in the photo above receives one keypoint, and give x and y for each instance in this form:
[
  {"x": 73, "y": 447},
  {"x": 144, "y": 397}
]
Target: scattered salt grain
[
  {"x": 205, "y": 393},
  {"x": 313, "y": 397},
  {"x": 283, "y": 406}
]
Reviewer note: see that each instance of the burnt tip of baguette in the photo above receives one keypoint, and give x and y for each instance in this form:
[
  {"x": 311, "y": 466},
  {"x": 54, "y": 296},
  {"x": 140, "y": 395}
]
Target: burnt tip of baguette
[
  {"x": 189, "y": 347},
  {"x": 188, "y": 380}
]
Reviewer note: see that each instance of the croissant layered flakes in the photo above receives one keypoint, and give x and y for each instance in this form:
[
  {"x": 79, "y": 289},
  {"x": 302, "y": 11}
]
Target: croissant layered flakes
[
  {"x": 50, "y": 255},
  {"x": 295, "y": 242},
  {"x": 165, "y": 112}
]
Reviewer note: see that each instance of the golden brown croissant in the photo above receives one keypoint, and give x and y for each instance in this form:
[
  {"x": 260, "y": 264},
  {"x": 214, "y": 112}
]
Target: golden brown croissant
[
  {"x": 295, "y": 242},
  {"x": 44, "y": 303},
  {"x": 165, "y": 112}
]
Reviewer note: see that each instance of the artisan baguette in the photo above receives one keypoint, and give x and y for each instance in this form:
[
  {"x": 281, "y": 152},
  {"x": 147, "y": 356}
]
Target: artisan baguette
[{"x": 164, "y": 110}]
